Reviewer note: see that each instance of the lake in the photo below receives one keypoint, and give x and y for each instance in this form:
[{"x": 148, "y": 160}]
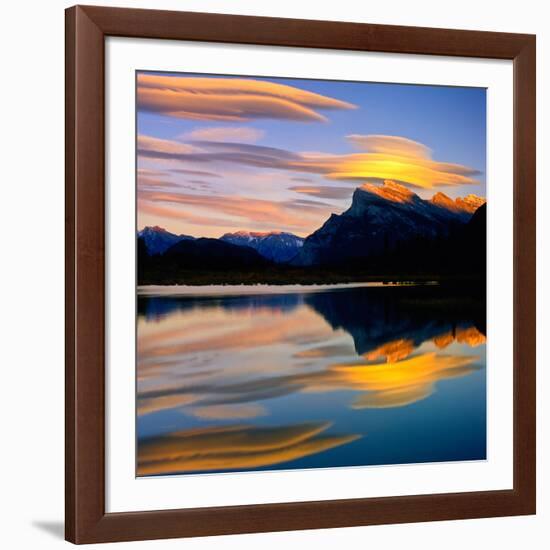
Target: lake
[{"x": 269, "y": 378}]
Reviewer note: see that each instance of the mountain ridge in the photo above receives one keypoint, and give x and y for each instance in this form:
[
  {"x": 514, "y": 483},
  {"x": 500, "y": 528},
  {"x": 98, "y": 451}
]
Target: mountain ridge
[
  {"x": 158, "y": 240},
  {"x": 380, "y": 221},
  {"x": 277, "y": 246},
  {"x": 388, "y": 231}
]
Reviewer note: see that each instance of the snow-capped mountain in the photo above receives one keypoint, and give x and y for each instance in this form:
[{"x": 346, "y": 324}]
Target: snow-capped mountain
[
  {"x": 157, "y": 240},
  {"x": 275, "y": 246}
]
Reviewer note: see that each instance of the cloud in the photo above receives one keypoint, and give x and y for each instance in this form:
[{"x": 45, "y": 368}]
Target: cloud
[
  {"x": 228, "y": 134},
  {"x": 325, "y": 350},
  {"x": 179, "y": 214},
  {"x": 296, "y": 214},
  {"x": 187, "y": 363},
  {"x": 149, "y": 406},
  {"x": 146, "y": 172},
  {"x": 146, "y": 182},
  {"x": 230, "y": 99},
  {"x": 200, "y": 183},
  {"x": 234, "y": 447},
  {"x": 195, "y": 173},
  {"x": 391, "y": 145},
  {"x": 325, "y": 192},
  {"x": 402, "y": 382},
  {"x": 149, "y": 144},
  {"x": 389, "y": 158},
  {"x": 379, "y": 385}
]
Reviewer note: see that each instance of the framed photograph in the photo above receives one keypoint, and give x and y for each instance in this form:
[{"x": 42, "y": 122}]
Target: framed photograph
[{"x": 300, "y": 274}]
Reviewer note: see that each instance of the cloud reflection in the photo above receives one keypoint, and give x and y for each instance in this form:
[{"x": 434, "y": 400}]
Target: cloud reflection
[
  {"x": 395, "y": 384},
  {"x": 234, "y": 447},
  {"x": 225, "y": 360}
]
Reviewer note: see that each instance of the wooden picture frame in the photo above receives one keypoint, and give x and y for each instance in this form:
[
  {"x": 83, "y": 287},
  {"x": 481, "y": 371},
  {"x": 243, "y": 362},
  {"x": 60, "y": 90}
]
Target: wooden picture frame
[{"x": 86, "y": 30}]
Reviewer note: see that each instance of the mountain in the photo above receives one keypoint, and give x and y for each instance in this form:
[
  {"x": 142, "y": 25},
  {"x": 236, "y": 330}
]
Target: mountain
[
  {"x": 157, "y": 240},
  {"x": 210, "y": 254},
  {"x": 386, "y": 225},
  {"x": 278, "y": 247},
  {"x": 388, "y": 233},
  {"x": 472, "y": 241}
]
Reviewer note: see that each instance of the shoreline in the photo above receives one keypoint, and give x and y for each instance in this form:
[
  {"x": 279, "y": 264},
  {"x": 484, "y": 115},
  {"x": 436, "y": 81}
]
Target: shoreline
[{"x": 262, "y": 288}]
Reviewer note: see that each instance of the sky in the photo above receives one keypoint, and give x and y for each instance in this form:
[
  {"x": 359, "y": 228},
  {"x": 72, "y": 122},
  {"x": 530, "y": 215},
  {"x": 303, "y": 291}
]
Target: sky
[{"x": 218, "y": 154}]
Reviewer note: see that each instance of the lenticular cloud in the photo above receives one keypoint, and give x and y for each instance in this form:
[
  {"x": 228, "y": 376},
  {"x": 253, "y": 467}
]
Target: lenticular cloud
[{"x": 230, "y": 99}]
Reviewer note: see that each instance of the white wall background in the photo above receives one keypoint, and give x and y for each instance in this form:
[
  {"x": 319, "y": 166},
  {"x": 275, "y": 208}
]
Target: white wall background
[{"x": 31, "y": 272}]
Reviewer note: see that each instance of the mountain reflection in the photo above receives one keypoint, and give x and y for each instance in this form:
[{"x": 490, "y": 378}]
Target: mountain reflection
[
  {"x": 375, "y": 316},
  {"x": 276, "y": 360},
  {"x": 155, "y": 308}
]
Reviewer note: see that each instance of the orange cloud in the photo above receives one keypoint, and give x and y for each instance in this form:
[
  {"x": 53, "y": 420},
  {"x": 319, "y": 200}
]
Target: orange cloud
[
  {"x": 230, "y": 99},
  {"x": 416, "y": 172}
]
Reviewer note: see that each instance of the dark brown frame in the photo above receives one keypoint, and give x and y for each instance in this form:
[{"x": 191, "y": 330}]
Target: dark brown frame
[{"x": 86, "y": 29}]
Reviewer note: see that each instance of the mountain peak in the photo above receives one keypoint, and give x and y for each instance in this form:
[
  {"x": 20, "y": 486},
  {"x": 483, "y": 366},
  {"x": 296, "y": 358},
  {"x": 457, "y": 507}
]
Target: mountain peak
[
  {"x": 153, "y": 229},
  {"x": 158, "y": 240},
  {"x": 443, "y": 200},
  {"x": 244, "y": 233},
  {"x": 469, "y": 204},
  {"x": 390, "y": 190}
]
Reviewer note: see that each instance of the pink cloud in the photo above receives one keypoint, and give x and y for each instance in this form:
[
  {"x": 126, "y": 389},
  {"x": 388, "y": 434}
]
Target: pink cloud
[
  {"x": 230, "y": 99},
  {"x": 243, "y": 134}
]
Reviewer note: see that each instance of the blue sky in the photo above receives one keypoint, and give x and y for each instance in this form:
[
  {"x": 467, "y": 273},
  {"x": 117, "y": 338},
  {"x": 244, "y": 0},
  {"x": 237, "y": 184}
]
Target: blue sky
[{"x": 295, "y": 149}]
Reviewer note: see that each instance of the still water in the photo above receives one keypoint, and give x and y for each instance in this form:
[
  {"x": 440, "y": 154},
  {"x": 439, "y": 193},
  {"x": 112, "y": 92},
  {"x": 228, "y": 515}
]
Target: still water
[{"x": 309, "y": 378}]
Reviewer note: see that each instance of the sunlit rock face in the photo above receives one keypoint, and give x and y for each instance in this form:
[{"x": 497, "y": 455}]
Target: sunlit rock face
[
  {"x": 383, "y": 219},
  {"x": 390, "y": 191},
  {"x": 468, "y": 204}
]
